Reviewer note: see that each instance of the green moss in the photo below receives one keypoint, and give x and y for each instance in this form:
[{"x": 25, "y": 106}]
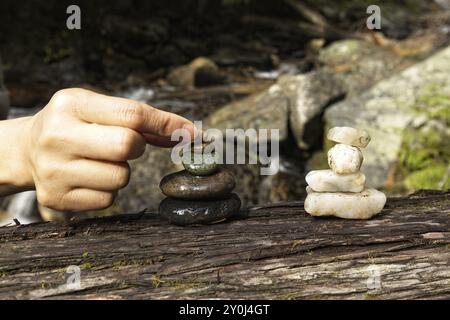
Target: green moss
[
  {"x": 58, "y": 48},
  {"x": 434, "y": 177},
  {"x": 156, "y": 281},
  {"x": 371, "y": 296},
  {"x": 181, "y": 284},
  {"x": 290, "y": 296},
  {"x": 117, "y": 264},
  {"x": 87, "y": 265},
  {"x": 61, "y": 270},
  {"x": 52, "y": 54},
  {"x": 301, "y": 296},
  {"x": 424, "y": 159},
  {"x": 423, "y": 148},
  {"x": 434, "y": 103},
  {"x": 184, "y": 284},
  {"x": 3, "y": 274}
]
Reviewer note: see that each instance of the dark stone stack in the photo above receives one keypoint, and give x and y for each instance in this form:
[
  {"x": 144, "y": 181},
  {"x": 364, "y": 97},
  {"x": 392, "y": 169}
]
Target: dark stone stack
[{"x": 200, "y": 194}]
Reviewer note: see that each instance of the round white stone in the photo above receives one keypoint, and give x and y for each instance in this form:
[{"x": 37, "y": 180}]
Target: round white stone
[
  {"x": 328, "y": 181},
  {"x": 344, "y": 159},
  {"x": 362, "y": 205},
  {"x": 350, "y": 136}
]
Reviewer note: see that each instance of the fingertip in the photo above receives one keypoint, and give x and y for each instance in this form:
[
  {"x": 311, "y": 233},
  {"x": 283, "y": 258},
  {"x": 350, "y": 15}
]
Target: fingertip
[
  {"x": 194, "y": 132},
  {"x": 159, "y": 141}
]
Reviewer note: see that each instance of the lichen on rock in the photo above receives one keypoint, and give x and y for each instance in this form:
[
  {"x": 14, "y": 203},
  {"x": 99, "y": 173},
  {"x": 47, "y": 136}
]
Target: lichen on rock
[
  {"x": 408, "y": 117},
  {"x": 424, "y": 158}
]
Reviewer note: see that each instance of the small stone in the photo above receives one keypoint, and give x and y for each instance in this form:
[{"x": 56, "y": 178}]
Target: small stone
[
  {"x": 207, "y": 166},
  {"x": 328, "y": 181},
  {"x": 200, "y": 162},
  {"x": 344, "y": 159},
  {"x": 350, "y": 136},
  {"x": 201, "y": 169},
  {"x": 200, "y": 72},
  {"x": 363, "y": 205},
  {"x": 186, "y": 212},
  {"x": 183, "y": 185}
]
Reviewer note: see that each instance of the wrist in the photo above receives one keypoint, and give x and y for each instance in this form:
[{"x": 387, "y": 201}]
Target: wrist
[{"x": 15, "y": 170}]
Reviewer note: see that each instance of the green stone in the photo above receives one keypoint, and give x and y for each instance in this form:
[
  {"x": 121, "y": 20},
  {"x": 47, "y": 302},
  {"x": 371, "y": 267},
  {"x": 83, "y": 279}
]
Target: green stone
[
  {"x": 201, "y": 164},
  {"x": 202, "y": 169}
]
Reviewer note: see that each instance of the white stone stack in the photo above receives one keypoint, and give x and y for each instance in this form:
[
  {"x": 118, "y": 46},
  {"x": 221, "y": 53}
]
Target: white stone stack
[{"x": 341, "y": 191}]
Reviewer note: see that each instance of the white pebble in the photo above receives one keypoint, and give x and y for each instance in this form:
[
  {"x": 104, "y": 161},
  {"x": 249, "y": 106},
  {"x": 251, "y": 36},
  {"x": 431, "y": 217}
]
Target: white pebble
[
  {"x": 350, "y": 136},
  {"x": 328, "y": 181},
  {"x": 345, "y": 159},
  {"x": 363, "y": 205}
]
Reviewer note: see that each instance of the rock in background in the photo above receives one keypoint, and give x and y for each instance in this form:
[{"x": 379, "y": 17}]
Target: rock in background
[
  {"x": 200, "y": 72},
  {"x": 408, "y": 118},
  {"x": 131, "y": 43},
  {"x": 347, "y": 68},
  {"x": 295, "y": 105}
]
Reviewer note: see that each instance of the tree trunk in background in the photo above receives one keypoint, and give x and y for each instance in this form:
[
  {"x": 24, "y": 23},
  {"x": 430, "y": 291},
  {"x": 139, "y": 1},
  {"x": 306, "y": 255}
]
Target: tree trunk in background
[{"x": 277, "y": 251}]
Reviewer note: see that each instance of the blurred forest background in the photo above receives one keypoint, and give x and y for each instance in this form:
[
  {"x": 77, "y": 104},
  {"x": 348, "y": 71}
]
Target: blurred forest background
[{"x": 299, "y": 66}]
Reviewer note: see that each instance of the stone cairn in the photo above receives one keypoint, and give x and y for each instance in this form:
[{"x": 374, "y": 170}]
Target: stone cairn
[
  {"x": 200, "y": 194},
  {"x": 341, "y": 191}
]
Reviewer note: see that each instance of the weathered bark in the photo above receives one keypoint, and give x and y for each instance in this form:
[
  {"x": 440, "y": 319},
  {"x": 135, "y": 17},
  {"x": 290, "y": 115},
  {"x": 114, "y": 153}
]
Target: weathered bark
[{"x": 275, "y": 251}]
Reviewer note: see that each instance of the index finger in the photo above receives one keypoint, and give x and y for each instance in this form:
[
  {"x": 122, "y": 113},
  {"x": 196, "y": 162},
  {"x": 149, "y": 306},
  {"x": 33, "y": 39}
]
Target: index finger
[{"x": 115, "y": 111}]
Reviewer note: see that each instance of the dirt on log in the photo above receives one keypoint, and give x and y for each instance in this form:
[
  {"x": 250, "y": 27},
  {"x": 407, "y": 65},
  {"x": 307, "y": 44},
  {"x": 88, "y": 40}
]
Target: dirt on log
[{"x": 275, "y": 251}]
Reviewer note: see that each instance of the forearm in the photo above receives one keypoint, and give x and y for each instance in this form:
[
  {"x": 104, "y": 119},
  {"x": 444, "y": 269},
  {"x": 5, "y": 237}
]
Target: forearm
[{"x": 15, "y": 175}]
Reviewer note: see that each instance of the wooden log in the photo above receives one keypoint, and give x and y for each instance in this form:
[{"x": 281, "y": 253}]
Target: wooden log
[{"x": 274, "y": 251}]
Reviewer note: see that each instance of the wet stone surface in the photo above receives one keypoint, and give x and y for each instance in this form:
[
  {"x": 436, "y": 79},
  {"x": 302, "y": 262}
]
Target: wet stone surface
[
  {"x": 188, "y": 212},
  {"x": 201, "y": 169}
]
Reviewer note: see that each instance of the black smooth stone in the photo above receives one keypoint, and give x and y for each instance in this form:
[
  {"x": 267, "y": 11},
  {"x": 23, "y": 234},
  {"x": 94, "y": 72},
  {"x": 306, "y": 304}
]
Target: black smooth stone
[
  {"x": 186, "y": 212},
  {"x": 183, "y": 185}
]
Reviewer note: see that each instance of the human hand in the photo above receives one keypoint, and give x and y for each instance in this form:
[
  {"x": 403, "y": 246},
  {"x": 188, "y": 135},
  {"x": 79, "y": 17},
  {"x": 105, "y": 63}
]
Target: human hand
[{"x": 79, "y": 144}]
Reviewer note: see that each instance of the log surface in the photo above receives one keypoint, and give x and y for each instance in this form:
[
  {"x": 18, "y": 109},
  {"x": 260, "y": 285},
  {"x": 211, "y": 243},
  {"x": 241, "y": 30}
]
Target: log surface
[{"x": 274, "y": 252}]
